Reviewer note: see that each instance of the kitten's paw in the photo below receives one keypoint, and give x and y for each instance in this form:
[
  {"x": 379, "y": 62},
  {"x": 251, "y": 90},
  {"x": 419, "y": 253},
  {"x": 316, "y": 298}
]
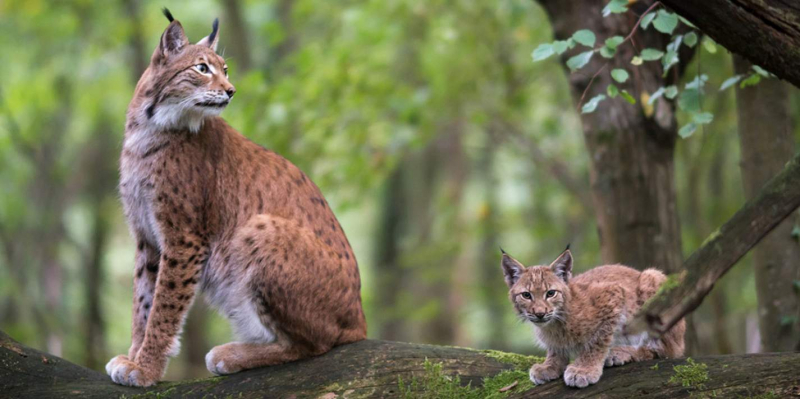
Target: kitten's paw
[
  {"x": 125, "y": 372},
  {"x": 618, "y": 357},
  {"x": 222, "y": 360},
  {"x": 540, "y": 374},
  {"x": 582, "y": 377}
]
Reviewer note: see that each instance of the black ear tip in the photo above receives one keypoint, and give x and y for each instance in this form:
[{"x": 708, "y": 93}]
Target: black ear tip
[
  {"x": 501, "y": 251},
  {"x": 167, "y": 14},
  {"x": 567, "y": 248}
]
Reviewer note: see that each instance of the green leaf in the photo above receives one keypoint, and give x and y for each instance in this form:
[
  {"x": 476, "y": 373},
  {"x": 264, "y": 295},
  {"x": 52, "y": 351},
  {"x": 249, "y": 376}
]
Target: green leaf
[
  {"x": 751, "y": 80},
  {"x": 690, "y": 39},
  {"x": 560, "y": 46},
  {"x": 612, "y": 91},
  {"x": 656, "y": 96},
  {"x": 710, "y": 45},
  {"x": 615, "y": 7},
  {"x": 703, "y": 118},
  {"x": 698, "y": 82},
  {"x": 730, "y": 82},
  {"x": 670, "y": 59},
  {"x": 651, "y": 54},
  {"x": 686, "y": 22},
  {"x": 761, "y": 71},
  {"x": 647, "y": 19},
  {"x": 607, "y": 52},
  {"x": 542, "y": 52},
  {"x": 579, "y": 61},
  {"x": 671, "y": 91},
  {"x": 796, "y": 236},
  {"x": 687, "y": 130},
  {"x": 627, "y": 96},
  {"x": 788, "y": 320},
  {"x": 689, "y": 100},
  {"x": 637, "y": 60},
  {"x": 796, "y": 283},
  {"x": 620, "y": 75},
  {"x": 585, "y": 37},
  {"x": 591, "y": 105},
  {"x": 614, "y": 41},
  {"x": 665, "y": 22}
]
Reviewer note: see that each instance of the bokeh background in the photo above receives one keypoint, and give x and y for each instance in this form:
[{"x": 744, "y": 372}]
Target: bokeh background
[{"x": 432, "y": 133}]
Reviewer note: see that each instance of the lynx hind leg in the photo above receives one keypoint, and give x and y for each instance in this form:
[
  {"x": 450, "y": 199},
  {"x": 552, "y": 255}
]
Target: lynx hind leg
[
  {"x": 302, "y": 289},
  {"x": 671, "y": 344}
]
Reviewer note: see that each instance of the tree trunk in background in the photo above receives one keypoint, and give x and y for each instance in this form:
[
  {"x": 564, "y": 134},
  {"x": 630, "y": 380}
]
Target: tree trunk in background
[
  {"x": 632, "y": 173},
  {"x": 495, "y": 293},
  {"x": 632, "y": 166},
  {"x": 236, "y": 35},
  {"x": 139, "y": 56},
  {"x": 388, "y": 272},
  {"x": 765, "y": 133}
]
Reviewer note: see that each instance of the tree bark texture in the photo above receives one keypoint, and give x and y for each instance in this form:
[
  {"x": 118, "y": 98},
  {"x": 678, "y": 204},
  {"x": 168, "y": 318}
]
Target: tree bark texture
[
  {"x": 632, "y": 172},
  {"x": 374, "y": 369},
  {"x": 766, "y": 32},
  {"x": 682, "y": 293},
  {"x": 767, "y": 143}
]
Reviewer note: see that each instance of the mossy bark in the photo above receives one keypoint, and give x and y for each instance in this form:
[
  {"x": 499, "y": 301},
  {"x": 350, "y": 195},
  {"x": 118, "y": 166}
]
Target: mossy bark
[{"x": 374, "y": 369}]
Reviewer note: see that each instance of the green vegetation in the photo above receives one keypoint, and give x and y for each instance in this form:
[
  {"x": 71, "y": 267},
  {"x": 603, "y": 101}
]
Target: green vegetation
[
  {"x": 690, "y": 375},
  {"x": 434, "y": 384}
]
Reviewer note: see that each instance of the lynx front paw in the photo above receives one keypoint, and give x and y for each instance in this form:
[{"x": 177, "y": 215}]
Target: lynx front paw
[
  {"x": 222, "y": 360},
  {"x": 125, "y": 372},
  {"x": 582, "y": 377},
  {"x": 618, "y": 357},
  {"x": 540, "y": 374}
]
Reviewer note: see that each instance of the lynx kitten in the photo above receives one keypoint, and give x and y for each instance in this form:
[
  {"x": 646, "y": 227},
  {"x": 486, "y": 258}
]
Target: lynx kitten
[
  {"x": 584, "y": 316},
  {"x": 212, "y": 210}
]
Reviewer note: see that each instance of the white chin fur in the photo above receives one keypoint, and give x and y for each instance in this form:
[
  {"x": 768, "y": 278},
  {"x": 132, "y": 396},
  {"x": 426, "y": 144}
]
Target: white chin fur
[{"x": 183, "y": 115}]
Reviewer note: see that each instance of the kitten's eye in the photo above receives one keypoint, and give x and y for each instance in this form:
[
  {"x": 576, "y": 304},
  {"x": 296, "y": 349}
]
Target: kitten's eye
[
  {"x": 202, "y": 68},
  {"x": 526, "y": 295},
  {"x": 550, "y": 294}
]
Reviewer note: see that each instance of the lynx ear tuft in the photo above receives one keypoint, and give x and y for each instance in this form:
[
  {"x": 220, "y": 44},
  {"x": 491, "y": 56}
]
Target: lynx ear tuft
[
  {"x": 512, "y": 269},
  {"x": 562, "y": 266},
  {"x": 212, "y": 39},
  {"x": 167, "y": 14}
]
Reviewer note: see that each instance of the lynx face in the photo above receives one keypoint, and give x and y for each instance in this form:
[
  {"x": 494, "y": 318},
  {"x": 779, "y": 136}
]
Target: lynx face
[
  {"x": 185, "y": 83},
  {"x": 538, "y": 293}
]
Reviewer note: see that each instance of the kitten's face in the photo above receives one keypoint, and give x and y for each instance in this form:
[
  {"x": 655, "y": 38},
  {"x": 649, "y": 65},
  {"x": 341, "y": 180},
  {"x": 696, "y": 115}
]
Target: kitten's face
[{"x": 539, "y": 295}]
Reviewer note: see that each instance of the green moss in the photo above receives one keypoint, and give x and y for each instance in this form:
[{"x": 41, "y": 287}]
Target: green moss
[
  {"x": 434, "y": 383},
  {"x": 765, "y": 395},
  {"x": 690, "y": 375},
  {"x": 711, "y": 237},
  {"x": 520, "y": 362}
]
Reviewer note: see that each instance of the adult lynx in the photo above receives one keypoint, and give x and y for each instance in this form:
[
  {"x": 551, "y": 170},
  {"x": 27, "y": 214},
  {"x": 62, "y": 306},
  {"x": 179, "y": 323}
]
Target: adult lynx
[
  {"x": 584, "y": 317},
  {"x": 210, "y": 209}
]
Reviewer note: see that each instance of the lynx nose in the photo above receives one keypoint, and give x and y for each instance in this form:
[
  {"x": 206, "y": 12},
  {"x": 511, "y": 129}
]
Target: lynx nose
[
  {"x": 230, "y": 92},
  {"x": 539, "y": 315}
]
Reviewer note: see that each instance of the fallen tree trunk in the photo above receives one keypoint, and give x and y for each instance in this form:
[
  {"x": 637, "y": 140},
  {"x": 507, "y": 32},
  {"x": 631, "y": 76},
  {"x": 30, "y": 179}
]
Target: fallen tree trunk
[
  {"x": 766, "y": 32},
  {"x": 387, "y": 369}
]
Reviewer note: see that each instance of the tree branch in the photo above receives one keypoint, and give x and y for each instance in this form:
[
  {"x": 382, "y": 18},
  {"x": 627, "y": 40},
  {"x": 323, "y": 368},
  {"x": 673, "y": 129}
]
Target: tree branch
[
  {"x": 766, "y": 32},
  {"x": 683, "y": 293},
  {"x": 374, "y": 369}
]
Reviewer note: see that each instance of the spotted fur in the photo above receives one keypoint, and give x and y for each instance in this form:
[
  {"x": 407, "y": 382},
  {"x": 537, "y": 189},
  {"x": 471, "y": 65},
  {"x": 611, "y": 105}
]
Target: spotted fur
[
  {"x": 584, "y": 317},
  {"x": 212, "y": 211}
]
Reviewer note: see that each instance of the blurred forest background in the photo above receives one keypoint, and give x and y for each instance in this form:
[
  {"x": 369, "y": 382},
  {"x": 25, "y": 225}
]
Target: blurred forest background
[{"x": 429, "y": 128}]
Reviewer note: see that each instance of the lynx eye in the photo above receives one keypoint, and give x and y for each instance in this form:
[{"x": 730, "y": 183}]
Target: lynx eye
[
  {"x": 526, "y": 295},
  {"x": 202, "y": 68},
  {"x": 226, "y": 70},
  {"x": 550, "y": 294}
]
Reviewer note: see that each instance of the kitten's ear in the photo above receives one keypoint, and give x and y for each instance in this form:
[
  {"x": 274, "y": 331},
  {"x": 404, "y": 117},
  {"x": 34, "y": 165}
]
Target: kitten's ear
[
  {"x": 512, "y": 269},
  {"x": 562, "y": 266},
  {"x": 212, "y": 39},
  {"x": 173, "y": 40}
]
